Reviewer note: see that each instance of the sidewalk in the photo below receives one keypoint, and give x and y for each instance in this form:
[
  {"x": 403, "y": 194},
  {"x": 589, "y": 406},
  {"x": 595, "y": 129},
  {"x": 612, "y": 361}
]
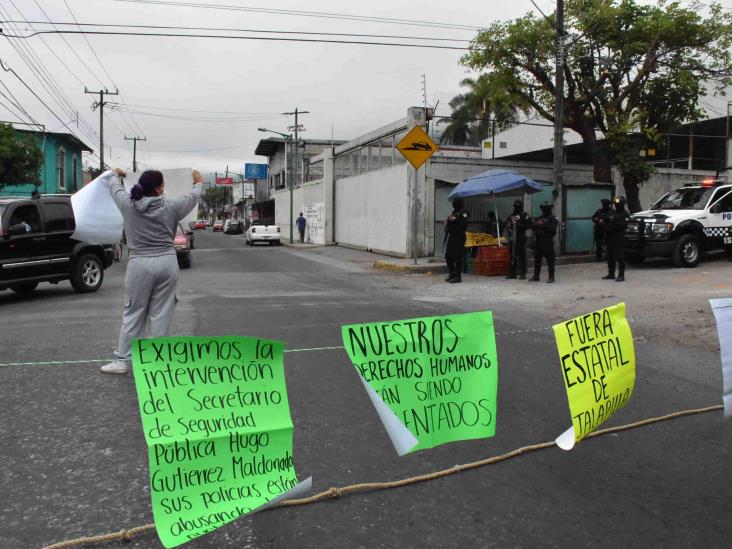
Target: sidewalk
[
  {"x": 425, "y": 265},
  {"x": 437, "y": 264}
]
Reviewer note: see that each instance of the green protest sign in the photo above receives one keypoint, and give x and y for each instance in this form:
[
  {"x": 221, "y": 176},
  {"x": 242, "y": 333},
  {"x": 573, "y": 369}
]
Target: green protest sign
[
  {"x": 218, "y": 429},
  {"x": 433, "y": 380}
]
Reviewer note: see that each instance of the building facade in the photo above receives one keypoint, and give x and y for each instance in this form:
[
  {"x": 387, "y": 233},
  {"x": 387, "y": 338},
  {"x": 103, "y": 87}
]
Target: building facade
[{"x": 61, "y": 171}]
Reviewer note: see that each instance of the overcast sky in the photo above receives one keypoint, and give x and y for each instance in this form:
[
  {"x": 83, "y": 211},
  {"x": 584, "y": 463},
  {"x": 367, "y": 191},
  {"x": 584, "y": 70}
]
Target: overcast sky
[{"x": 236, "y": 86}]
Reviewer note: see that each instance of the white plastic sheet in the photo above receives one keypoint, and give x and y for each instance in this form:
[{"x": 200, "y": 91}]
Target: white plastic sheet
[
  {"x": 98, "y": 220},
  {"x": 178, "y": 181},
  {"x": 722, "y": 309}
]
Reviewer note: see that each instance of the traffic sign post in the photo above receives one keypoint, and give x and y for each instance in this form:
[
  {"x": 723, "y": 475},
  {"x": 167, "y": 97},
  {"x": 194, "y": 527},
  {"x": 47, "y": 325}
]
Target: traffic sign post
[{"x": 416, "y": 147}]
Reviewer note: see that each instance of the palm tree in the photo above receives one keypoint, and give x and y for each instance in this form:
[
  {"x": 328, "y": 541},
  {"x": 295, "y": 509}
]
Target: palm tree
[{"x": 486, "y": 101}]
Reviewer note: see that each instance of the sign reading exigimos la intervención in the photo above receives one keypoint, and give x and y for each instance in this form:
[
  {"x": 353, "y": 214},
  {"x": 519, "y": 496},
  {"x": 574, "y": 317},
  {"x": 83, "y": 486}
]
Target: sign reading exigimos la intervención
[{"x": 218, "y": 428}]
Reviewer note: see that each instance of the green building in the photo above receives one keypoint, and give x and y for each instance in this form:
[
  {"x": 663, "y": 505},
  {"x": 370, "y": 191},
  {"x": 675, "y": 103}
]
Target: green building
[{"x": 61, "y": 171}]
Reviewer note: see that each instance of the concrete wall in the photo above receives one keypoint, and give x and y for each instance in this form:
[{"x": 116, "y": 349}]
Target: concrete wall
[
  {"x": 661, "y": 182},
  {"x": 371, "y": 210},
  {"x": 309, "y": 198}
]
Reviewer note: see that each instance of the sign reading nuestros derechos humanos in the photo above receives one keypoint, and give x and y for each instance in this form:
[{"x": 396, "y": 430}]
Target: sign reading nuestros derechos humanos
[
  {"x": 432, "y": 380},
  {"x": 217, "y": 424}
]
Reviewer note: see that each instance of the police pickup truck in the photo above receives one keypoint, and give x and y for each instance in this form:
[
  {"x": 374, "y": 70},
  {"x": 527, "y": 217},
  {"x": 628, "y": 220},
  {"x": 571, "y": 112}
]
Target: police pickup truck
[{"x": 683, "y": 224}]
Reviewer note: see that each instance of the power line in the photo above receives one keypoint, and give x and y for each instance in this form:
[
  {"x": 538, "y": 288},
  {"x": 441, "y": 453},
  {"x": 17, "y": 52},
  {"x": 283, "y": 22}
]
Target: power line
[
  {"x": 240, "y": 146},
  {"x": 134, "y": 122},
  {"x": 14, "y": 110},
  {"x": 199, "y": 111},
  {"x": 17, "y": 103},
  {"x": 229, "y": 119},
  {"x": 233, "y": 37},
  {"x": 48, "y": 83},
  {"x": 10, "y": 70},
  {"x": 69, "y": 45},
  {"x": 233, "y": 29},
  {"x": 39, "y": 69},
  {"x": 302, "y": 13}
]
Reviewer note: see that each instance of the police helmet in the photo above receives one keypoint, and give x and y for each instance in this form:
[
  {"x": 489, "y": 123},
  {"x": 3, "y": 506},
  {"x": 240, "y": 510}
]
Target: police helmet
[
  {"x": 606, "y": 202},
  {"x": 518, "y": 204},
  {"x": 458, "y": 203},
  {"x": 546, "y": 208},
  {"x": 619, "y": 202}
]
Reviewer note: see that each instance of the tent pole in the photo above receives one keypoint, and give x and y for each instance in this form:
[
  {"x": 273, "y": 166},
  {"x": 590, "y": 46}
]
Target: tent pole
[{"x": 498, "y": 221}]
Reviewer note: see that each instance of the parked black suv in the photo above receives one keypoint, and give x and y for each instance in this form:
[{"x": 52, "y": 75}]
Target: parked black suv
[{"x": 36, "y": 246}]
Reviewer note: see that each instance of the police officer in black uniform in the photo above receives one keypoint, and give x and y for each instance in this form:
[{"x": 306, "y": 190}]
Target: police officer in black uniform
[
  {"x": 615, "y": 239},
  {"x": 544, "y": 227},
  {"x": 515, "y": 228},
  {"x": 599, "y": 218},
  {"x": 455, "y": 227}
]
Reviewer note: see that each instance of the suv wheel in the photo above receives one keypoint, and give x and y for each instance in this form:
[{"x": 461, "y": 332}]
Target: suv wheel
[
  {"x": 88, "y": 274},
  {"x": 687, "y": 251},
  {"x": 26, "y": 288}
]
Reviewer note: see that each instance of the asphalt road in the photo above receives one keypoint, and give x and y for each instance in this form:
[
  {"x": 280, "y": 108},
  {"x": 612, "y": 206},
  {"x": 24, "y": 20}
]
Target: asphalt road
[{"x": 73, "y": 459}]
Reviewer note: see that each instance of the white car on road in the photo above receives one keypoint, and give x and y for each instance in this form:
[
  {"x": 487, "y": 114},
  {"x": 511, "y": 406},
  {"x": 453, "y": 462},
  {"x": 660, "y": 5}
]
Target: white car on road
[{"x": 263, "y": 230}]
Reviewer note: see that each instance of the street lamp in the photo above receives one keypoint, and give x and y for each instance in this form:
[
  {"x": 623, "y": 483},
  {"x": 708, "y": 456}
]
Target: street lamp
[{"x": 288, "y": 175}]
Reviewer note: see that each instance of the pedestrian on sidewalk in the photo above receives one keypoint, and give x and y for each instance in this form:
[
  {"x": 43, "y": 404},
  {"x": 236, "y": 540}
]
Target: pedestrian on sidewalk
[
  {"x": 301, "y": 222},
  {"x": 150, "y": 222},
  {"x": 455, "y": 227},
  {"x": 544, "y": 227},
  {"x": 615, "y": 240},
  {"x": 515, "y": 228}
]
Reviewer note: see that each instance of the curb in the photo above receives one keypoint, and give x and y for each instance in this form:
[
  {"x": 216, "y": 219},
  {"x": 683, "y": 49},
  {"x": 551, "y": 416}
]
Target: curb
[
  {"x": 298, "y": 246},
  {"x": 439, "y": 268},
  {"x": 432, "y": 268}
]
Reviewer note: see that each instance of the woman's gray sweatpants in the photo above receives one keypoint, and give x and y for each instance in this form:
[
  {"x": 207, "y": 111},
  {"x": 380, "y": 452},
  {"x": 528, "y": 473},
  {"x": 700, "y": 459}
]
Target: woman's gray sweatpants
[{"x": 150, "y": 286}]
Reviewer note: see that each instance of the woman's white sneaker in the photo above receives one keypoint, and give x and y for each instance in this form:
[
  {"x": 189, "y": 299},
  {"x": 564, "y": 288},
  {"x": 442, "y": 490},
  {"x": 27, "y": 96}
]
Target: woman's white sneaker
[{"x": 116, "y": 367}]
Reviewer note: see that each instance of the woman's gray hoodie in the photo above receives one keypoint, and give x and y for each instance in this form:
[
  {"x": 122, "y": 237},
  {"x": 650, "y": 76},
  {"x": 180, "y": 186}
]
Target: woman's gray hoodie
[{"x": 151, "y": 222}]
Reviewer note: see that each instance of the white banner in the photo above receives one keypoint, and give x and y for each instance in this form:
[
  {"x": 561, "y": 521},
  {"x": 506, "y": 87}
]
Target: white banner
[
  {"x": 98, "y": 221},
  {"x": 722, "y": 309}
]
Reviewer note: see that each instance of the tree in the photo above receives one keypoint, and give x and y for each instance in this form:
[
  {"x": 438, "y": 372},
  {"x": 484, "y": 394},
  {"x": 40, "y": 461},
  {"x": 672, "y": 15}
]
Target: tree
[
  {"x": 633, "y": 72},
  {"x": 20, "y": 158},
  {"x": 215, "y": 198},
  {"x": 485, "y": 102}
]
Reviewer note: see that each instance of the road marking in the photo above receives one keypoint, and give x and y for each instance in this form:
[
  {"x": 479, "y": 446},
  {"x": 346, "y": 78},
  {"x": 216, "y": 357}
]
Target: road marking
[{"x": 340, "y": 347}]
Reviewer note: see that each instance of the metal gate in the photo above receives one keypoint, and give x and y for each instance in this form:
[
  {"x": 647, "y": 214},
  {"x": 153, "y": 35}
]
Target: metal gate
[{"x": 579, "y": 205}]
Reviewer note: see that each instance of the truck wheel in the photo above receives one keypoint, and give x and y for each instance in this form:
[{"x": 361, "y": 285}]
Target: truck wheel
[
  {"x": 687, "y": 251},
  {"x": 26, "y": 288},
  {"x": 634, "y": 259},
  {"x": 88, "y": 274}
]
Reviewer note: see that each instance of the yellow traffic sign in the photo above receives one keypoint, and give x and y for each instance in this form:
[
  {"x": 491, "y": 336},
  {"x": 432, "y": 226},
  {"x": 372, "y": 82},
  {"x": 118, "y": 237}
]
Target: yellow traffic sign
[{"x": 416, "y": 147}]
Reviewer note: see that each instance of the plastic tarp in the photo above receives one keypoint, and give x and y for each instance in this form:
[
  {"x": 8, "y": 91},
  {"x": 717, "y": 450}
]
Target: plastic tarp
[
  {"x": 178, "y": 181},
  {"x": 98, "y": 221},
  {"x": 496, "y": 182}
]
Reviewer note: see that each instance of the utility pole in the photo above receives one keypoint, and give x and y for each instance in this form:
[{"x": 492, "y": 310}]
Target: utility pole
[
  {"x": 101, "y": 104},
  {"x": 559, "y": 113},
  {"x": 134, "y": 150},
  {"x": 297, "y": 128}
]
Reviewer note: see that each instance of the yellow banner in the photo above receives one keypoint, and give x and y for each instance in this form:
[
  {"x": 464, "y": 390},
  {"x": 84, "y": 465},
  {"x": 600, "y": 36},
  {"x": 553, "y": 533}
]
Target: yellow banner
[{"x": 597, "y": 359}]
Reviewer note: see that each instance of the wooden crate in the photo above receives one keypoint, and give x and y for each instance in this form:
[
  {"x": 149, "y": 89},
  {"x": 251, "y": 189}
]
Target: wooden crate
[{"x": 492, "y": 261}]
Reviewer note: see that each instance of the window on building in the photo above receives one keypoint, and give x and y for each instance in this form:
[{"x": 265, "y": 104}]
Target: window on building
[
  {"x": 61, "y": 169},
  {"x": 74, "y": 173}
]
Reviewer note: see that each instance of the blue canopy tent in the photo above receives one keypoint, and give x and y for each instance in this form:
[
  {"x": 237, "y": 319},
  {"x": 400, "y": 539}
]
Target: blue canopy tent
[{"x": 495, "y": 182}]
